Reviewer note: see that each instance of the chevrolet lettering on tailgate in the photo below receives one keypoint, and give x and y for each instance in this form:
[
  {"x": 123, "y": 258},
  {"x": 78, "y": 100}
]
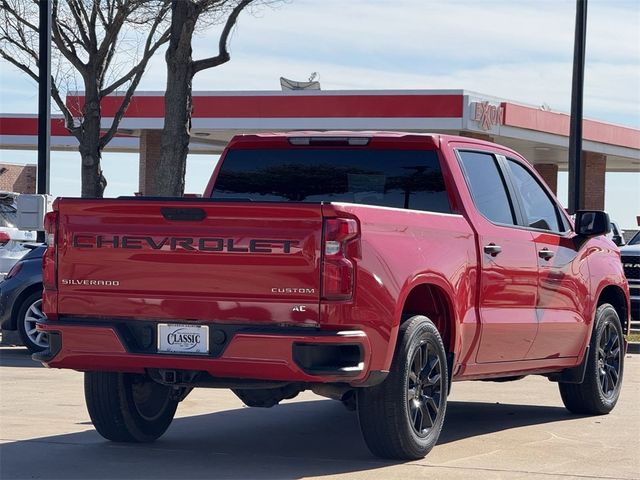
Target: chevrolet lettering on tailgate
[{"x": 204, "y": 244}]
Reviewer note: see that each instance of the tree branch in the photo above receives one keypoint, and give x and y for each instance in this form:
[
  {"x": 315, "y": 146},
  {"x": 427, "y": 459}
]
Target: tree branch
[
  {"x": 66, "y": 113},
  {"x": 64, "y": 44},
  {"x": 57, "y": 30},
  {"x": 223, "y": 51},
  {"x": 135, "y": 74},
  {"x": 106, "y": 138},
  {"x": 25, "y": 44},
  {"x": 18, "y": 64},
  {"x": 5, "y": 6},
  {"x": 23, "y": 47},
  {"x": 78, "y": 18},
  {"x": 148, "y": 52},
  {"x": 111, "y": 34},
  {"x": 103, "y": 20}
]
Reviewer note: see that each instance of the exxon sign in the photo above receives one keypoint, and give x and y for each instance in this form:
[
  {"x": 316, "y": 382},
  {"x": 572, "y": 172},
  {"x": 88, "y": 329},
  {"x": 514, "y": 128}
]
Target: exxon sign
[{"x": 486, "y": 114}]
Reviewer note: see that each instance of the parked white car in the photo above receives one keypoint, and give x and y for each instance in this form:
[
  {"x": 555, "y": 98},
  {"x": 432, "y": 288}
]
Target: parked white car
[{"x": 12, "y": 240}]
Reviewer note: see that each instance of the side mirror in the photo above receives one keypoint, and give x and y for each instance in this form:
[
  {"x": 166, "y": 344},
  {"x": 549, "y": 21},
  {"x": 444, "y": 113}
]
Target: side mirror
[
  {"x": 617, "y": 239},
  {"x": 591, "y": 223}
]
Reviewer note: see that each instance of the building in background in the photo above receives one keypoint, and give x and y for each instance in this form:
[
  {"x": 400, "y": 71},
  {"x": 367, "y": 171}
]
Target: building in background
[
  {"x": 17, "y": 178},
  {"x": 540, "y": 135}
]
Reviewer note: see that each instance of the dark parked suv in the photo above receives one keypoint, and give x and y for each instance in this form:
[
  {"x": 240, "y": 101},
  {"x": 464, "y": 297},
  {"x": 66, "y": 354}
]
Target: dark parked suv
[
  {"x": 631, "y": 262},
  {"x": 21, "y": 300}
]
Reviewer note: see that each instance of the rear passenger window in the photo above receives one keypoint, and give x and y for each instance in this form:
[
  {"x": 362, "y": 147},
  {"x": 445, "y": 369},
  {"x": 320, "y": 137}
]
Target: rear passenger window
[
  {"x": 540, "y": 210},
  {"x": 487, "y": 187}
]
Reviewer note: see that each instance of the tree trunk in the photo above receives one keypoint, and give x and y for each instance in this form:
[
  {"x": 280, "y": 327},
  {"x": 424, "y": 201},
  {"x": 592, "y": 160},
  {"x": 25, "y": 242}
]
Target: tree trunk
[
  {"x": 169, "y": 176},
  {"x": 93, "y": 181}
]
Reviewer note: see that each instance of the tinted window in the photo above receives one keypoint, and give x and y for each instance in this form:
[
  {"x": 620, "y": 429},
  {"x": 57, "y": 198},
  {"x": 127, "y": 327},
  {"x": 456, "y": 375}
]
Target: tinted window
[
  {"x": 540, "y": 211},
  {"x": 390, "y": 178},
  {"x": 487, "y": 187}
]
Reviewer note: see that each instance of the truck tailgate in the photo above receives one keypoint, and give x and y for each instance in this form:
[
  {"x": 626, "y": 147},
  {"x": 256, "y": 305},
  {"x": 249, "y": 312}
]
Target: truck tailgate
[{"x": 203, "y": 260}]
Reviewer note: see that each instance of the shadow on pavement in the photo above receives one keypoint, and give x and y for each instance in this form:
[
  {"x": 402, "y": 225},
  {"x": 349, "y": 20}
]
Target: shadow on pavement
[
  {"x": 17, "y": 357},
  {"x": 290, "y": 441}
]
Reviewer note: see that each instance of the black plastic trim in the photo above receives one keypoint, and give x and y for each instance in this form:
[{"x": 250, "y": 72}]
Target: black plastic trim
[
  {"x": 328, "y": 358},
  {"x": 183, "y": 214},
  {"x": 55, "y": 345},
  {"x": 375, "y": 377},
  {"x": 572, "y": 375}
]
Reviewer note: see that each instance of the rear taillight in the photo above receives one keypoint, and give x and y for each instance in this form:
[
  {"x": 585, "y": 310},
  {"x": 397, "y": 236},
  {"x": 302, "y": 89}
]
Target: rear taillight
[
  {"x": 14, "y": 271},
  {"x": 340, "y": 246},
  {"x": 4, "y": 238},
  {"x": 49, "y": 260}
]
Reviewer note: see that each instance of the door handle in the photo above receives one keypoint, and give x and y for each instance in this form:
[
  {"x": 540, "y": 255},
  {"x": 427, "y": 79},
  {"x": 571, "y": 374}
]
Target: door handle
[
  {"x": 546, "y": 254},
  {"x": 492, "y": 249}
]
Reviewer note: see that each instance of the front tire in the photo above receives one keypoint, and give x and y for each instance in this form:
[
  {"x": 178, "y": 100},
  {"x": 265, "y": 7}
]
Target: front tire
[
  {"x": 29, "y": 313},
  {"x": 126, "y": 407},
  {"x": 599, "y": 392},
  {"x": 403, "y": 416}
]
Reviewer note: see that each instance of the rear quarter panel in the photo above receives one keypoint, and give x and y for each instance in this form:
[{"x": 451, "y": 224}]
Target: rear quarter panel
[
  {"x": 605, "y": 269},
  {"x": 400, "y": 250}
]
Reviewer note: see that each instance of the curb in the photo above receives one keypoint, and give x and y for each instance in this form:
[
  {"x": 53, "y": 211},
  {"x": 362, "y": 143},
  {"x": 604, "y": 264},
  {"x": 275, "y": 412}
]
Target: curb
[{"x": 633, "y": 347}]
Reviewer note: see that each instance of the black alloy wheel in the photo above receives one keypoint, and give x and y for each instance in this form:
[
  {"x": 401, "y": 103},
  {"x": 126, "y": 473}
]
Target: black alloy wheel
[
  {"x": 600, "y": 389},
  {"x": 402, "y": 417},
  {"x": 609, "y": 360},
  {"x": 424, "y": 389}
]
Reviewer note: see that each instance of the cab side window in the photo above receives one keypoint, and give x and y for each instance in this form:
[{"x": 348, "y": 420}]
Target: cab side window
[
  {"x": 540, "y": 211},
  {"x": 487, "y": 187}
]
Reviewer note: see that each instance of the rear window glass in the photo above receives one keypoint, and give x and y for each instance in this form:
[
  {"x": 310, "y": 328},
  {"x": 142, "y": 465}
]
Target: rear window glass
[{"x": 390, "y": 178}]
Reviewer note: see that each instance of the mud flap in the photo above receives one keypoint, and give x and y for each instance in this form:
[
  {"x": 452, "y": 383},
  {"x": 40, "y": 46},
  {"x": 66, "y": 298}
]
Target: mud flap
[{"x": 572, "y": 375}]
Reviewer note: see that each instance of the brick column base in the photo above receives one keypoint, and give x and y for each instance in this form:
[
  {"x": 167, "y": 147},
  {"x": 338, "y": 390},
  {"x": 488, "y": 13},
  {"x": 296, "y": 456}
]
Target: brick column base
[
  {"x": 150, "y": 148},
  {"x": 594, "y": 166},
  {"x": 549, "y": 173}
]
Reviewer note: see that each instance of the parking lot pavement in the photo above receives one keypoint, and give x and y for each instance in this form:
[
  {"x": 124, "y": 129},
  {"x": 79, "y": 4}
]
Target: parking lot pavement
[{"x": 493, "y": 430}]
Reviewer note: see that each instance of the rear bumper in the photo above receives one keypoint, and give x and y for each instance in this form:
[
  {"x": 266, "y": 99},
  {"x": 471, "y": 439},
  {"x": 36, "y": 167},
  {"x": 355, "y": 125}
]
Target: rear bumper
[{"x": 242, "y": 352}]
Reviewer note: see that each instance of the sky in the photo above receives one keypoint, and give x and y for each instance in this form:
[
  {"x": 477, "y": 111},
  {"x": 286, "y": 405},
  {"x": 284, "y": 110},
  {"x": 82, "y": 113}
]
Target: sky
[{"x": 515, "y": 49}]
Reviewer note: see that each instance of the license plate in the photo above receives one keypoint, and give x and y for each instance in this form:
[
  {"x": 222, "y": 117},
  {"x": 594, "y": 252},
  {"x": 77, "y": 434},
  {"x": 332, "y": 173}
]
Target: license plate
[{"x": 189, "y": 339}]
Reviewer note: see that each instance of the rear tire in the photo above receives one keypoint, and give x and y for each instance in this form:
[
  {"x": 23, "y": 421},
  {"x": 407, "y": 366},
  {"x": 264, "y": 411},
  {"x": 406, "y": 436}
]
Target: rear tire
[
  {"x": 127, "y": 407},
  {"x": 402, "y": 417},
  {"x": 600, "y": 389}
]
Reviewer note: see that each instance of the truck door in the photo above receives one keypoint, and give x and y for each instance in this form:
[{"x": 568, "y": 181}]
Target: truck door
[
  {"x": 509, "y": 267},
  {"x": 563, "y": 274}
]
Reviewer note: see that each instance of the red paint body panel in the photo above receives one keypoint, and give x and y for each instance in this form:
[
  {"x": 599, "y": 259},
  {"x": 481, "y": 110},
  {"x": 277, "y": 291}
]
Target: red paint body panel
[
  {"x": 501, "y": 316},
  {"x": 181, "y": 284}
]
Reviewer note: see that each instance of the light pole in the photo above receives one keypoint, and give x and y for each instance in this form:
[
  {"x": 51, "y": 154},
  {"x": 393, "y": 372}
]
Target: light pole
[
  {"x": 576, "y": 194},
  {"x": 44, "y": 95}
]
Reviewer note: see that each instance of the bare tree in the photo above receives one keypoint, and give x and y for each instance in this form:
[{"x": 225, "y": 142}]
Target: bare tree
[
  {"x": 181, "y": 68},
  {"x": 103, "y": 44}
]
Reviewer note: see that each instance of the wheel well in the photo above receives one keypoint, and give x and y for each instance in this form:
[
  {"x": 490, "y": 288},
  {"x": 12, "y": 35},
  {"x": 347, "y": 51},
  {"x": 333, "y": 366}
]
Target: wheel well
[
  {"x": 615, "y": 296},
  {"x": 18, "y": 302},
  {"x": 432, "y": 301}
]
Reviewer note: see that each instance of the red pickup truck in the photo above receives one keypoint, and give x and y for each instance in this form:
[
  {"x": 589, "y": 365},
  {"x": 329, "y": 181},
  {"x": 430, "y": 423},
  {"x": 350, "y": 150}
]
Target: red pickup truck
[{"x": 373, "y": 268}]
